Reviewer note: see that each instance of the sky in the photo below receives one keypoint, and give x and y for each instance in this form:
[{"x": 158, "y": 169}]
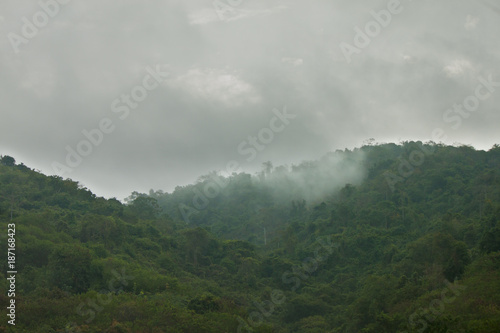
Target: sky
[{"x": 129, "y": 95}]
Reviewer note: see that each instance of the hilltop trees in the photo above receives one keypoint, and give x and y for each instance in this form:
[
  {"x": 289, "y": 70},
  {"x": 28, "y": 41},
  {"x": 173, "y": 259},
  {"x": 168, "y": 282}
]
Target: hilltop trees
[{"x": 7, "y": 160}]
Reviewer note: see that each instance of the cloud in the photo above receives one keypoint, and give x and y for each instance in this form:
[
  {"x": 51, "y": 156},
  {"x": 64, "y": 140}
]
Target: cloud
[
  {"x": 248, "y": 13},
  {"x": 457, "y": 68},
  {"x": 217, "y": 85},
  {"x": 227, "y": 75},
  {"x": 408, "y": 58},
  {"x": 203, "y": 16},
  {"x": 292, "y": 61},
  {"x": 40, "y": 83},
  {"x": 493, "y": 7},
  {"x": 471, "y": 22},
  {"x": 226, "y": 12}
]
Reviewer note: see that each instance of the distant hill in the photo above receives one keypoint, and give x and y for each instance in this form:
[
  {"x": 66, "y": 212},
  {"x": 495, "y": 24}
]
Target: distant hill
[{"x": 384, "y": 238}]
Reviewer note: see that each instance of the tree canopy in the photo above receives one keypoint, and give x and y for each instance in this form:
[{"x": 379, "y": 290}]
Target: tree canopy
[{"x": 384, "y": 238}]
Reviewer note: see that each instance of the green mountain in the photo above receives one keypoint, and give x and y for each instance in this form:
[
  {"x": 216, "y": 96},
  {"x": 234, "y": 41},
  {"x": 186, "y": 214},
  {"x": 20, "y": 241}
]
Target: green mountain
[{"x": 384, "y": 238}]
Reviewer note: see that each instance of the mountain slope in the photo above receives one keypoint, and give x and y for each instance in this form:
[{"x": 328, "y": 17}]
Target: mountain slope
[{"x": 385, "y": 238}]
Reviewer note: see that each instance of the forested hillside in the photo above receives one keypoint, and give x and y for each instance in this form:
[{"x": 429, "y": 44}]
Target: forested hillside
[{"x": 385, "y": 238}]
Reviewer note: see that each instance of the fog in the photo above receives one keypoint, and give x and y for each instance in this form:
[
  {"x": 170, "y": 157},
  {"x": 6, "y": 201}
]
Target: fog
[{"x": 317, "y": 180}]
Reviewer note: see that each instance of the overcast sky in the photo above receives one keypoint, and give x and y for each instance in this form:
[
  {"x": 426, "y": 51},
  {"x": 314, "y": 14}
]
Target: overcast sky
[{"x": 298, "y": 73}]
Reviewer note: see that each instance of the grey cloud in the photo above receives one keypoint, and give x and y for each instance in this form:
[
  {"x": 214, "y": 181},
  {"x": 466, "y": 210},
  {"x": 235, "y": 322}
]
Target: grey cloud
[{"x": 228, "y": 76}]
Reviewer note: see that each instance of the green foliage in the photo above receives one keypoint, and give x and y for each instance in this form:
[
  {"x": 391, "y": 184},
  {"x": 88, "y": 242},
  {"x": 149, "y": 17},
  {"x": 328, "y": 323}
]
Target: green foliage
[
  {"x": 303, "y": 306},
  {"x": 491, "y": 241},
  {"x": 69, "y": 267},
  {"x": 203, "y": 304},
  {"x": 360, "y": 257},
  {"x": 7, "y": 160}
]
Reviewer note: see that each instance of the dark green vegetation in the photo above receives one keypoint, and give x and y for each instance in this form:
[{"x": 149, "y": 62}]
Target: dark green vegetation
[{"x": 382, "y": 256}]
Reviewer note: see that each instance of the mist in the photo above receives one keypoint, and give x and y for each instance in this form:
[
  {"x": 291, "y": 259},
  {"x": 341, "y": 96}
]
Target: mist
[
  {"x": 317, "y": 180},
  {"x": 307, "y": 184}
]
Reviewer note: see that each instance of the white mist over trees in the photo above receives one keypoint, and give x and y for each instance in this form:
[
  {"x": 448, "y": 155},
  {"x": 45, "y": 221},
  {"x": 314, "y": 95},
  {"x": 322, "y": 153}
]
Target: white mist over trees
[{"x": 314, "y": 181}]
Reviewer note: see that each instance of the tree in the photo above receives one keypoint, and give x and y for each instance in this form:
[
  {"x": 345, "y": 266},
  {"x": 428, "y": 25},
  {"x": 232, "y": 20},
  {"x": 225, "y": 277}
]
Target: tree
[
  {"x": 197, "y": 240},
  {"x": 204, "y": 303},
  {"x": 491, "y": 241},
  {"x": 69, "y": 267},
  {"x": 145, "y": 207},
  {"x": 7, "y": 160}
]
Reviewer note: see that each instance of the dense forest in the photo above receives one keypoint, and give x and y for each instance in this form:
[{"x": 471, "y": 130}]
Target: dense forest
[{"x": 383, "y": 238}]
